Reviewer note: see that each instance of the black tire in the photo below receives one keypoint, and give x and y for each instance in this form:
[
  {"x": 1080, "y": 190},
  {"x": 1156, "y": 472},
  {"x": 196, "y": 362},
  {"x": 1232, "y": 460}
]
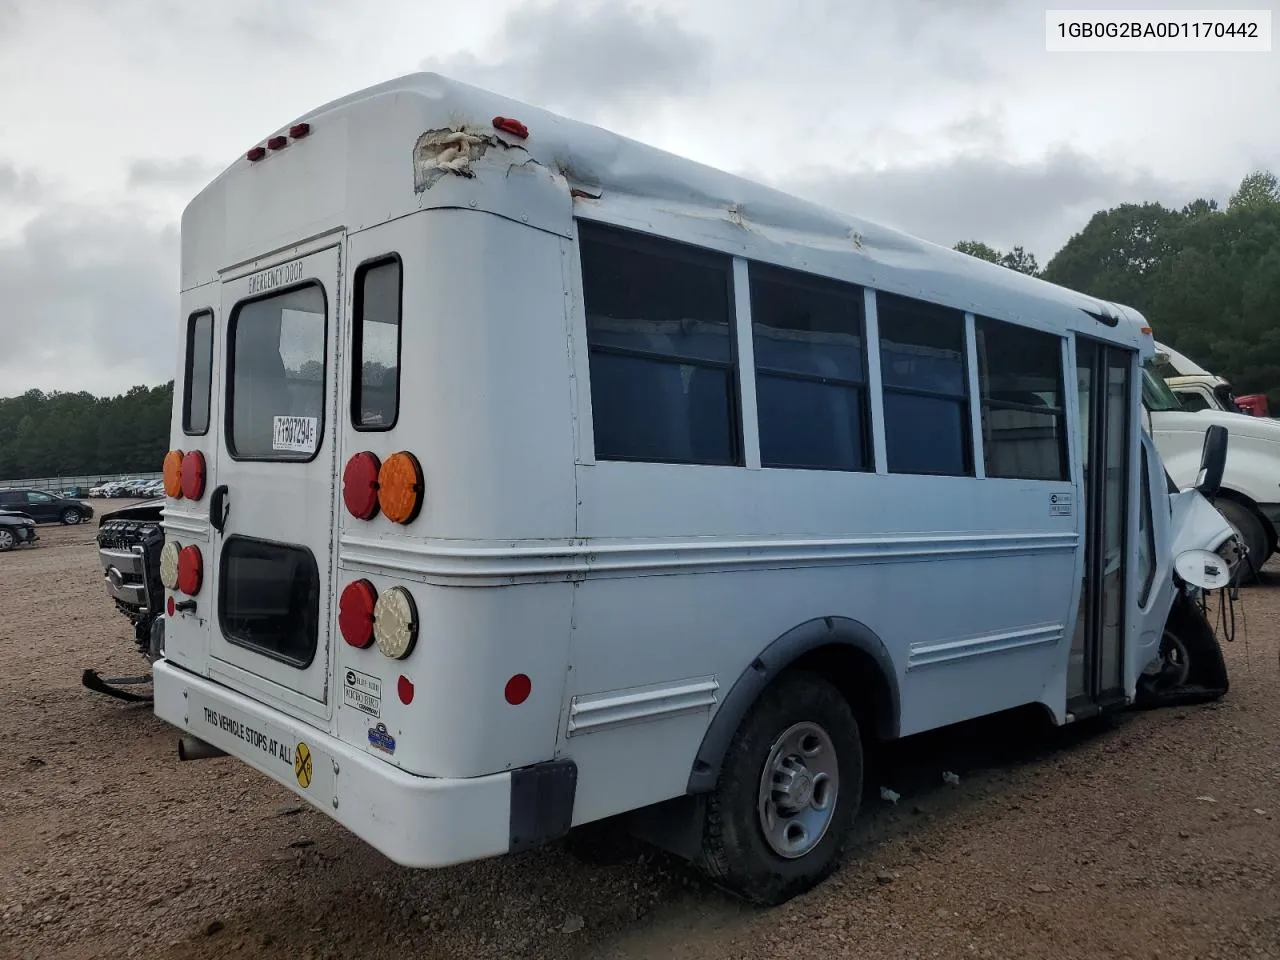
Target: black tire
[
  {"x": 71, "y": 516},
  {"x": 7, "y": 540},
  {"x": 735, "y": 851},
  {"x": 1249, "y": 526}
]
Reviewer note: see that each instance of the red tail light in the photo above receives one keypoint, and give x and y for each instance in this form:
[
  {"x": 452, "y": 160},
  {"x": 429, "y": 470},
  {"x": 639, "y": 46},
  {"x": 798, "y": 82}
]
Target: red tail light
[
  {"x": 193, "y": 475},
  {"x": 355, "y": 613},
  {"x": 360, "y": 485},
  {"x": 190, "y": 570}
]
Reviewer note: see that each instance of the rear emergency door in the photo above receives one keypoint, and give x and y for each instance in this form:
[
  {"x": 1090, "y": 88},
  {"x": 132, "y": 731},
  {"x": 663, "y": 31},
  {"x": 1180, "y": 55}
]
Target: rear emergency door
[{"x": 271, "y": 502}]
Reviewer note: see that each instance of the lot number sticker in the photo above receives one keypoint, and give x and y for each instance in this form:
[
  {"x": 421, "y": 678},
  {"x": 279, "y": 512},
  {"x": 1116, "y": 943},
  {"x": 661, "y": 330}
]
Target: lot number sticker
[{"x": 297, "y": 434}]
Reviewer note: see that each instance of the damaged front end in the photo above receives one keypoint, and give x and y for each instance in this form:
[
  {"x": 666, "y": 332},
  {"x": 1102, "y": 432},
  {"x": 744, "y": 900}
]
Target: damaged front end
[
  {"x": 129, "y": 545},
  {"x": 1207, "y": 557}
]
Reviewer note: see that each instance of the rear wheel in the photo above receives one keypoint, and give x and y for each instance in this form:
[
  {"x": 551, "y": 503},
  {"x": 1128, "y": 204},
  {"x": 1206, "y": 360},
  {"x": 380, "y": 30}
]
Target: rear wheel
[
  {"x": 7, "y": 539},
  {"x": 1252, "y": 534},
  {"x": 70, "y": 515},
  {"x": 788, "y": 791}
]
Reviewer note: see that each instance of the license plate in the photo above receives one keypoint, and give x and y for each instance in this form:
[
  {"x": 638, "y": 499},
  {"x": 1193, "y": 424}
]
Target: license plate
[{"x": 287, "y": 757}]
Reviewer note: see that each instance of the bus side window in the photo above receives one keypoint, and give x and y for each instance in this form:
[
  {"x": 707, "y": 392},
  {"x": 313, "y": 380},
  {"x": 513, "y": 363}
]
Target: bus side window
[
  {"x": 375, "y": 347},
  {"x": 923, "y": 367},
  {"x": 811, "y": 392},
  {"x": 660, "y": 343},
  {"x": 197, "y": 378},
  {"x": 1023, "y": 414}
]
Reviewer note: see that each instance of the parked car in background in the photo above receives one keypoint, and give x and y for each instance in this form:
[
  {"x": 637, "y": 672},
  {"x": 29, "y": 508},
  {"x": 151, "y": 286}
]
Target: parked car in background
[
  {"x": 16, "y": 529},
  {"x": 45, "y": 507}
]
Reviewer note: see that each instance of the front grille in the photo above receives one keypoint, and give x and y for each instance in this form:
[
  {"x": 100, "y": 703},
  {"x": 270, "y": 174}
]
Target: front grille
[{"x": 130, "y": 554}]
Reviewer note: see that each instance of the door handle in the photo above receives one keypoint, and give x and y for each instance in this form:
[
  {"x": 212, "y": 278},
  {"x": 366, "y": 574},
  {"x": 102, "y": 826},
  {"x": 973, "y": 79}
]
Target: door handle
[{"x": 219, "y": 508}]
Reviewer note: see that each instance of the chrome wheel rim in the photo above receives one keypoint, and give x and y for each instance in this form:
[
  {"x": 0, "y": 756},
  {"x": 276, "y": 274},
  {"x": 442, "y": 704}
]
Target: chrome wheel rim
[
  {"x": 798, "y": 788},
  {"x": 6, "y": 540}
]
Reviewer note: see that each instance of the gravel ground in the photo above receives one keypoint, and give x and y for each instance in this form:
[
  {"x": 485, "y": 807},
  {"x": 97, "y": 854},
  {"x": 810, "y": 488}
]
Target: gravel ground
[{"x": 1145, "y": 836}]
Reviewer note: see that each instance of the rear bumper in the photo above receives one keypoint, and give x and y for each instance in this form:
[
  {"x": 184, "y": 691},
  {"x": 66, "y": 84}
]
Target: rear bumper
[{"x": 414, "y": 821}]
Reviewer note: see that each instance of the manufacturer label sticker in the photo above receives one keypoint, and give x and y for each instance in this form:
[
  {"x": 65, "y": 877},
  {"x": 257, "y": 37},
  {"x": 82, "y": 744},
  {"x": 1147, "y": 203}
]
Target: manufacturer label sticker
[
  {"x": 1060, "y": 504},
  {"x": 363, "y": 692},
  {"x": 380, "y": 739},
  {"x": 297, "y": 434}
]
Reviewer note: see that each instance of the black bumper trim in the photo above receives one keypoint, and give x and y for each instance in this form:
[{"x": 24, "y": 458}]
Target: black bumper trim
[{"x": 541, "y": 803}]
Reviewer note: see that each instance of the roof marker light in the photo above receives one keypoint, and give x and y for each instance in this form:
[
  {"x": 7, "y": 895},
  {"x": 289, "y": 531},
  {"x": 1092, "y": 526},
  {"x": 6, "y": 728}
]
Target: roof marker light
[
  {"x": 513, "y": 127},
  {"x": 257, "y": 153},
  {"x": 278, "y": 142},
  {"x": 299, "y": 130}
]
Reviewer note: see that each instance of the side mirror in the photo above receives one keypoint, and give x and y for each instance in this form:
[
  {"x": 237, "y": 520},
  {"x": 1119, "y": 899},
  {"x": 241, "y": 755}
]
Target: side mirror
[{"x": 1213, "y": 461}]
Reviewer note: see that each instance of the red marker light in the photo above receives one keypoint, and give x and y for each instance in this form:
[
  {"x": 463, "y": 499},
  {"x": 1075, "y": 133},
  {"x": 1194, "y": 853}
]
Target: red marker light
[
  {"x": 518, "y": 689},
  {"x": 277, "y": 142},
  {"x": 193, "y": 475},
  {"x": 513, "y": 127},
  {"x": 169, "y": 607},
  {"x": 360, "y": 485},
  {"x": 256, "y": 154},
  {"x": 190, "y": 570},
  {"x": 404, "y": 687},
  {"x": 299, "y": 130},
  {"x": 355, "y": 613}
]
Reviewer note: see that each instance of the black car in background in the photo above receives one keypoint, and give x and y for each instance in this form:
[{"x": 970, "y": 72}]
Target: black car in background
[
  {"x": 45, "y": 507},
  {"x": 15, "y": 530}
]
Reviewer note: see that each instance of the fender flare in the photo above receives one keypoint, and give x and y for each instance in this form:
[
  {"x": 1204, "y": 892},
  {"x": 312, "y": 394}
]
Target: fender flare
[{"x": 777, "y": 656}]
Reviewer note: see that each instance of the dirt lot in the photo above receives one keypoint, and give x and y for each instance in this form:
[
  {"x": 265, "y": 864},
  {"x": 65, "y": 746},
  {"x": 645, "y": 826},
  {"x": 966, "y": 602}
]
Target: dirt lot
[{"x": 1150, "y": 835}]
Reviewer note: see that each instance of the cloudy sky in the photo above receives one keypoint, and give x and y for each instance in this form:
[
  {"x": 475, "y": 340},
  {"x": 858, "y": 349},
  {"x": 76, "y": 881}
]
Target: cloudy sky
[{"x": 945, "y": 118}]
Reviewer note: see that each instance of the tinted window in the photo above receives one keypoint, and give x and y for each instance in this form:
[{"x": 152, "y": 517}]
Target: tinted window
[
  {"x": 810, "y": 371},
  {"x": 269, "y": 599},
  {"x": 35, "y": 497},
  {"x": 1193, "y": 400},
  {"x": 659, "y": 334},
  {"x": 924, "y": 374},
  {"x": 1146, "y": 535},
  {"x": 197, "y": 379},
  {"x": 375, "y": 370},
  {"x": 276, "y": 408},
  {"x": 1023, "y": 419}
]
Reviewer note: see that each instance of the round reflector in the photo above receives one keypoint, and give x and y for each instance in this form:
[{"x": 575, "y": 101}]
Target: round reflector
[
  {"x": 173, "y": 474},
  {"x": 395, "y": 623},
  {"x": 193, "y": 475},
  {"x": 171, "y": 607},
  {"x": 360, "y": 485},
  {"x": 169, "y": 564},
  {"x": 404, "y": 688},
  {"x": 355, "y": 613},
  {"x": 400, "y": 487},
  {"x": 190, "y": 570},
  {"x": 518, "y": 689}
]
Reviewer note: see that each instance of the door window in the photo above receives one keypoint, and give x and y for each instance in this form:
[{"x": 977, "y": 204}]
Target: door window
[
  {"x": 276, "y": 384},
  {"x": 34, "y": 497}
]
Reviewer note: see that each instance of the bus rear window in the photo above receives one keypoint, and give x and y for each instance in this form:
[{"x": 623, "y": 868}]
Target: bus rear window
[
  {"x": 270, "y": 599},
  {"x": 375, "y": 371},
  {"x": 197, "y": 377},
  {"x": 276, "y": 383}
]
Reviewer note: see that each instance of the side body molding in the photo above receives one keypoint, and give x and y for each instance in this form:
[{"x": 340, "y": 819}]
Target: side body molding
[{"x": 847, "y": 652}]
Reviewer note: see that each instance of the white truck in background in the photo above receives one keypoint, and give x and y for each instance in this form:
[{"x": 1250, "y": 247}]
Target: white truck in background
[{"x": 1250, "y": 494}]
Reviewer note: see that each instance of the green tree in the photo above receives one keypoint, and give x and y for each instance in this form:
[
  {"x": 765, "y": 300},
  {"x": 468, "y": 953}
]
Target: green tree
[{"x": 1016, "y": 259}]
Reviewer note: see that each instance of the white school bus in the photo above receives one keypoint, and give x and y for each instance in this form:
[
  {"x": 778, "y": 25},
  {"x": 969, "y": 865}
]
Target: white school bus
[{"x": 524, "y": 476}]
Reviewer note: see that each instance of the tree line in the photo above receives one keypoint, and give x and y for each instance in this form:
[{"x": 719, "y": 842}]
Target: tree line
[
  {"x": 74, "y": 434},
  {"x": 1206, "y": 279}
]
